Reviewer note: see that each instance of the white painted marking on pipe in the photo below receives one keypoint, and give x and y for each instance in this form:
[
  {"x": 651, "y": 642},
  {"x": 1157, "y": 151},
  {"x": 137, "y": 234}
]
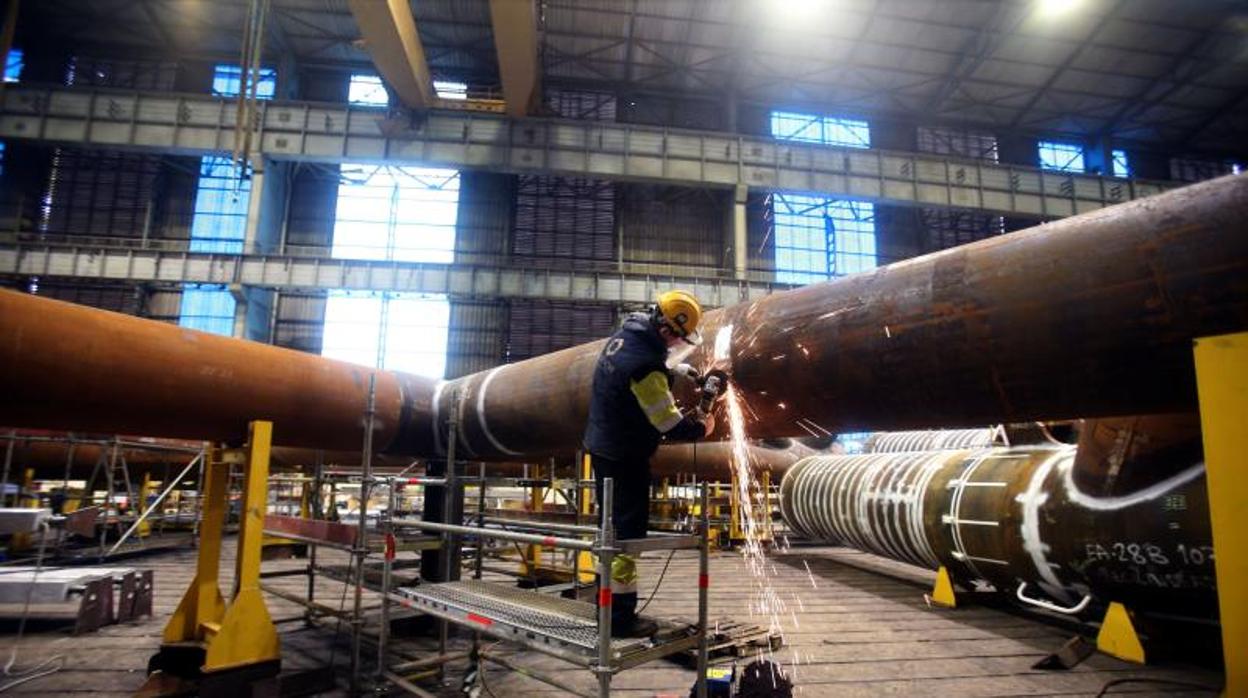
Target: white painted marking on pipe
[
  {"x": 973, "y": 522},
  {"x": 1145, "y": 495},
  {"x": 989, "y": 560},
  {"x": 437, "y": 426},
  {"x": 723, "y": 342},
  {"x": 485, "y": 428},
  {"x": 1031, "y": 500},
  {"x": 460, "y": 431}
]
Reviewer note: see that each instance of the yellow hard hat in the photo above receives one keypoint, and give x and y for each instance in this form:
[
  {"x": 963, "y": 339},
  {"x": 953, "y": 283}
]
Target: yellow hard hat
[{"x": 680, "y": 311}]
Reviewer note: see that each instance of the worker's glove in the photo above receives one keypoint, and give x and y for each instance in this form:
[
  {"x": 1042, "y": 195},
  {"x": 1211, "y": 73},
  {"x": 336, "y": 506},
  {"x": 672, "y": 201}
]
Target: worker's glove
[
  {"x": 707, "y": 419},
  {"x": 687, "y": 372}
]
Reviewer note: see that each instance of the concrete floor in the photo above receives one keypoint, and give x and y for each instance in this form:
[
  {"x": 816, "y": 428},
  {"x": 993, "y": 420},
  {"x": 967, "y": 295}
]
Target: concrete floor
[{"x": 858, "y": 625}]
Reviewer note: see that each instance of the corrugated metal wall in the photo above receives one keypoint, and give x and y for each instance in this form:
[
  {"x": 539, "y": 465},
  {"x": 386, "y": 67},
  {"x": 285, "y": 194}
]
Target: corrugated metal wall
[
  {"x": 943, "y": 228},
  {"x": 300, "y": 321},
  {"x": 313, "y": 207},
  {"x": 672, "y": 225},
  {"x": 477, "y": 331},
  {"x": 563, "y": 218},
  {"x": 117, "y": 297},
  {"x": 540, "y": 327},
  {"x": 164, "y": 304},
  {"x": 486, "y": 204},
  {"x": 105, "y": 193},
  {"x": 476, "y": 337}
]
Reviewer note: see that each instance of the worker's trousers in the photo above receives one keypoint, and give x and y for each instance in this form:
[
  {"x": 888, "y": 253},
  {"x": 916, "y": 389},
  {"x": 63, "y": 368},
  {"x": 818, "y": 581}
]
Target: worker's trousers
[{"x": 630, "y": 507}]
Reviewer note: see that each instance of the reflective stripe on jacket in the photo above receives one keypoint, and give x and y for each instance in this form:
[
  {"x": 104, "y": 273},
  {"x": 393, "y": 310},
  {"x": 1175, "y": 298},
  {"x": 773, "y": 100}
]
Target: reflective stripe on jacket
[{"x": 631, "y": 405}]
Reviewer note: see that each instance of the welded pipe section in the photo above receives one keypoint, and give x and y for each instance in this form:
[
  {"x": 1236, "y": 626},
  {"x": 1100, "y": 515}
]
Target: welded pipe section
[
  {"x": 933, "y": 440},
  {"x": 1091, "y": 315},
  {"x": 66, "y": 366},
  {"x": 1014, "y": 515}
]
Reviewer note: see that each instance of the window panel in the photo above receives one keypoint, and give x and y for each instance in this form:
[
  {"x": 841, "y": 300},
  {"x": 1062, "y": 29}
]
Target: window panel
[
  {"x": 208, "y": 308},
  {"x": 450, "y": 90},
  {"x": 393, "y": 331},
  {"x": 367, "y": 90},
  {"x": 219, "y": 219},
  {"x": 396, "y": 213},
  {"x": 227, "y": 81},
  {"x": 401, "y": 214},
  {"x": 818, "y": 237},
  {"x": 13, "y": 65},
  {"x": 1121, "y": 166},
  {"x": 1062, "y": 157}
]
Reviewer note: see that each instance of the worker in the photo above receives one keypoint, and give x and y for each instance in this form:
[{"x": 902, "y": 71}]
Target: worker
[{"x": 630, "y": 411}]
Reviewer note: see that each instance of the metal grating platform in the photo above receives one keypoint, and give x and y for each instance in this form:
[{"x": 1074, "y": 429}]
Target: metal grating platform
[
  {"x": 566, "y": 622},
  {"x": 552, "y": 624}
]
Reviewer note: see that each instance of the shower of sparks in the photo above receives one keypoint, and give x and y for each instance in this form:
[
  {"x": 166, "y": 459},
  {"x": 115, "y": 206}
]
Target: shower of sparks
[{"x": 765, "y": 601}]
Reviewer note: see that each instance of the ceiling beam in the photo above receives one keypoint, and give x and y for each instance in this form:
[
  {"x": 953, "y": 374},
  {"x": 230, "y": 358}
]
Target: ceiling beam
[
  {"x": 515, "y": 41},
  {"x": 1071, "y": 57},
  {"x": 1217, "y": 114},
  {"x": 390, "y": 37},
  {"x": 977, "y": 49}
]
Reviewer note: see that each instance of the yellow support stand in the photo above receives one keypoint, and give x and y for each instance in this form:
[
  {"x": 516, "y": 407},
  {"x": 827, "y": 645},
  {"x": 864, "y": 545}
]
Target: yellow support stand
[
  {"x": 531, "y": 563},
  {"x": 145, "y": 491},
  {"x": 585, "y": 559},
  {"x": 1222, "y": 385},
  {"x": 1117, "y": 636},
  {"x": 239, "y": 634},
  {"x": 942, "y": 591}
]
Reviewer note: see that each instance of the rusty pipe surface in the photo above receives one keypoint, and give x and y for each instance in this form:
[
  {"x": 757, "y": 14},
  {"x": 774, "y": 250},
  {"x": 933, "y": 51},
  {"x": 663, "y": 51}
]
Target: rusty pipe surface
[
  {"x": 66, "y": 366},
  {"x": 1092, "y": 315},
  {"x": 1014, "y": 515}
]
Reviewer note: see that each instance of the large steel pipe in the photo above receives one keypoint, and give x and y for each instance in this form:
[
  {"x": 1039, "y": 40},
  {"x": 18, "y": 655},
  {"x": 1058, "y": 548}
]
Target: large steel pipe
[
  {"x": 1017, "y": 515},
  {"x": 66, "y": 366},
  {"x": 1087, "y": 316},
  {"x": 1091, "y": 315}
]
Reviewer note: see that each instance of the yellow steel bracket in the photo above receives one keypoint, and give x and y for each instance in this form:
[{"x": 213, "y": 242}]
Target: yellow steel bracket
[
  {"x": 1117, "y": 636},
  {"x": 145, "y": 491},
  {"x": 240, "y": 633},
  {"x": 532, "y": 562},
  {"x": 1222, "y": 385},
  {"x": 585, "y": 561},
  {"x": 942, "y": 591}
]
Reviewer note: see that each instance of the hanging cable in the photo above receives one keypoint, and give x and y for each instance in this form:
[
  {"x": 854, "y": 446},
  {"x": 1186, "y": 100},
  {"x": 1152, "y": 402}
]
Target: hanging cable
[{"x": 41, "y": 669}]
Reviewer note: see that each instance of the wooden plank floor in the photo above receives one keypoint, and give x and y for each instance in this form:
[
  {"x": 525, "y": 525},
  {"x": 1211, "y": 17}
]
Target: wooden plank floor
[{"x": 854, "y": 625}]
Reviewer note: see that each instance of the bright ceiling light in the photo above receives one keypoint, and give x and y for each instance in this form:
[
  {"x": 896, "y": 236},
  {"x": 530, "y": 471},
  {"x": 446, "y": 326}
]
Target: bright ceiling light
[
  {"x": 797, "y": 12},
  {"x": 1055, "y": 8}
]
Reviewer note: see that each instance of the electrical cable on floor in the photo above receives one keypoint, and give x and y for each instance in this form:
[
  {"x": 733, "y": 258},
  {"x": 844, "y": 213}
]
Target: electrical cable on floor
[
  {"x": 1166, "y": 682},
  {"x": 655, "y": 592},
  {"x": 37, "y": 671},
  {"x": 342, "y": 604},
  {"x": 481, "y": 664}
]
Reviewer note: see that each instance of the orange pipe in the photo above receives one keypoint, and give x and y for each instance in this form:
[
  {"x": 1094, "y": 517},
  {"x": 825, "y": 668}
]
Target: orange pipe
[{"x": 72, "y": 367}]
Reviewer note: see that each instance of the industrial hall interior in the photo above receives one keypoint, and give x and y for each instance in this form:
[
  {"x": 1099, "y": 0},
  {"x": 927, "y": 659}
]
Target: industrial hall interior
[{"x": 649, "y": 348}]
